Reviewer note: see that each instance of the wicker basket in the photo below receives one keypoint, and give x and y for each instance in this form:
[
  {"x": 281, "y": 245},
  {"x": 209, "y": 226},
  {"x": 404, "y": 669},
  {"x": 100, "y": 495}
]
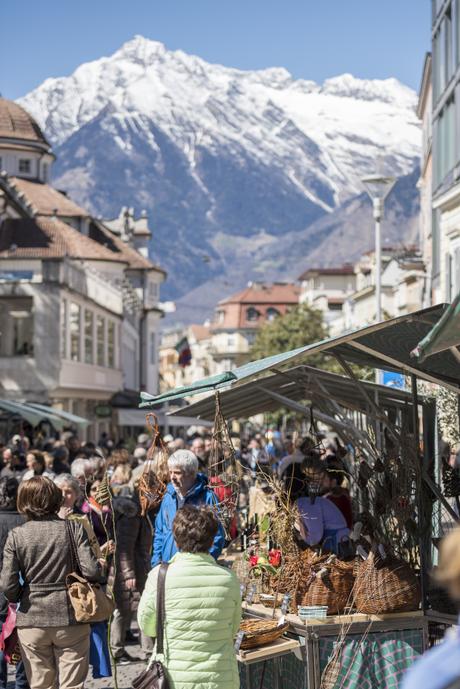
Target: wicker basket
[
  {"x": 383, "y": 586},
  {"x": 329, "y": 581},
  {"x": 260, "y": 632}
]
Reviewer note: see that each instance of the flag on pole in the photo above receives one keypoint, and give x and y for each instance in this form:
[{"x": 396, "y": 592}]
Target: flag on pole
[{"x": 183, "y": 350}]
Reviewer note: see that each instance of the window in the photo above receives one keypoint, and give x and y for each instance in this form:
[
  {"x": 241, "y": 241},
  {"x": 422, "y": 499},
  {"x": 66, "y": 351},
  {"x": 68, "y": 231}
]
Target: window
[
  {"x": 100, "y": 340},
  {"x": 74, "y": 326},
  {"x": 446, "y": 144},
  {"x": 45, "y": 172},
  {"x": 24, "y": 165},
  {"x": 252, "y": 314},
  {"x": 16, "y": 316},
  {"x": 89, "y": 328},
  {"x": 230, "y": 341},
  {"x": 153, "y": 290},
  {"x": 64, "y": 329},
  {"x": 272, "y": 314},
  {"x": 436, "y": 249},
  {"x": 334, "y": 306},
  {"x": 152, "y": 349},
  {"x": 111, "y": 344}
]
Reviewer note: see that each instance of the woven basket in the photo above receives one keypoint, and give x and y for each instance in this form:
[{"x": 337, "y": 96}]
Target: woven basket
[
  {"x": 383, "y": 586},
  {"x": 261, "y": 632},
  {"x": 332, "y": 588}
]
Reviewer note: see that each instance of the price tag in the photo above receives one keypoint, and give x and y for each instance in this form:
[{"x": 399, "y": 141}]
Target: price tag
[
  {"x": 281, "y": 621},
  {"x": 285, "y": 603},
  {"x": 238, "y": 641}
]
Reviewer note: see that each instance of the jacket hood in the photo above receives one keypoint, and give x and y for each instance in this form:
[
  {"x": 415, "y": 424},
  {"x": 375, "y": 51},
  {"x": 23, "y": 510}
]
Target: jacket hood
[
  {"x": 126, "y": 507},
  {"x": 201, "y": 483}
]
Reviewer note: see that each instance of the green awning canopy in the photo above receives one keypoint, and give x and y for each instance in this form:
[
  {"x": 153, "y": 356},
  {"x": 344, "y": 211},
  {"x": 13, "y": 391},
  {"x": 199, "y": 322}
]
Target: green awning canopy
[
  {"x": 30, "y": 414},
  {"x": 204, "y": 385},
  {"x": 445, "y": 335},
  {"x": 305, "y": 384},
  {"x": 72, "y": 419},
  {"x": 386, "y": 346}
]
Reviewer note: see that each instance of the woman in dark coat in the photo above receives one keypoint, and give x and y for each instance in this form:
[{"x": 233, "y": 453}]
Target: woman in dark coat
[
  {"x": 129, "y": 572},
  {"x": 36, "y": 562}
]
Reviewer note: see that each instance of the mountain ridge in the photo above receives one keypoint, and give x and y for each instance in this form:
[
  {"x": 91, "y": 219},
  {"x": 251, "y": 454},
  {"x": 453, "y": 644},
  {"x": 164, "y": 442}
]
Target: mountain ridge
[{"x": 220, "y": 156}]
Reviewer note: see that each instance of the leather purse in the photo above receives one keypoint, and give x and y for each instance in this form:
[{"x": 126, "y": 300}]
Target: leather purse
[
  {"x": 89, "y": 601},
  {"x": 155, "y": 677}
]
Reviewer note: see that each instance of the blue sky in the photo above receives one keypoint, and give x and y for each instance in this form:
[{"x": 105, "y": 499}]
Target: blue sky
[{"x": 313, "y": 39}]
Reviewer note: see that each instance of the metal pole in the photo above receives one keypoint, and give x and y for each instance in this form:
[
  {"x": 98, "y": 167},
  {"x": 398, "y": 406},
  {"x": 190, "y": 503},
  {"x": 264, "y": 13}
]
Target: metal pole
[
  {"x": 425, "y": 534},
  {"x": 378, "y": 268},
  {"x": 378, "y": 212}
]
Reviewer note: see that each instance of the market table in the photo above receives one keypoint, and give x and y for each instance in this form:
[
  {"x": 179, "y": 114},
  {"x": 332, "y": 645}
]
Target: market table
[{"x": 375, "y": 651}]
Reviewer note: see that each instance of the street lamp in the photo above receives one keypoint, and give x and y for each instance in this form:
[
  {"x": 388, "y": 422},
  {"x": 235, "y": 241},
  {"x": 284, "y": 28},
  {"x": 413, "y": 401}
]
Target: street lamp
[{"x": 378, "y": 188}]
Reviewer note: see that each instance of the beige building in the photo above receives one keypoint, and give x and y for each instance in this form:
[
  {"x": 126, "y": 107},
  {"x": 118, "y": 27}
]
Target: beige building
[
  {"x": 173, "y": 375},
  {"x": 445, "y": 116},
  {"x": 403, "y": 285},
  {"x": 78, "y": 302},
  {"x": 326, "y": 289},
  {"x": 238, "y": 318},
  {"x": 424, "y": 112}
]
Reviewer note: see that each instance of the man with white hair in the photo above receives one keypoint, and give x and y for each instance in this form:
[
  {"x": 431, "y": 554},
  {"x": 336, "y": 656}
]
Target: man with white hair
[{"x": 187, "y": 487}]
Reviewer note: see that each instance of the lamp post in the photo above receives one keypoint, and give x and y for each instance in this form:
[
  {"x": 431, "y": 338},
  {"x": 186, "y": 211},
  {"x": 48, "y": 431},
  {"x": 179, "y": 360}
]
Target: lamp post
[{"x": 378, "y": 188}]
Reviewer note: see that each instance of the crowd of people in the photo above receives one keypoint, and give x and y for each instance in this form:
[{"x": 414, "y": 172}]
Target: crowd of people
[{"x": 49, "y": 487}]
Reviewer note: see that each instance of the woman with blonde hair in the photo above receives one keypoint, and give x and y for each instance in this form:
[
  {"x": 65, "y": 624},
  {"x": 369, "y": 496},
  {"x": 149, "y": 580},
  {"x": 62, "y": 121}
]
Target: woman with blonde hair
[{"x": 440, "y": 667}]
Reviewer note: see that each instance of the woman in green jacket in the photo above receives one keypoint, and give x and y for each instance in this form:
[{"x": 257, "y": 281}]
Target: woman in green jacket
[{"x": 202, "y": 608}]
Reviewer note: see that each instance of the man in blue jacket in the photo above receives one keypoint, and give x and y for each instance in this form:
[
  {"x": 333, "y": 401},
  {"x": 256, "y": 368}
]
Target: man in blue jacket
[{"x": 187, "y": 487}]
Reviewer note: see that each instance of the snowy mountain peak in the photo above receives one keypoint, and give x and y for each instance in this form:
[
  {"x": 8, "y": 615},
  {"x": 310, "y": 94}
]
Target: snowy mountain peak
[
  {"x": 218, "y": 152},
  {"x": 141, "y": 49}
]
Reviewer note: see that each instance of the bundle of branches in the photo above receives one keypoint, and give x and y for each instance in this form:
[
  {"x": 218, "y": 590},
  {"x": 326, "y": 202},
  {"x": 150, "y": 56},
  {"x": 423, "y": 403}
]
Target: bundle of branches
[
  {"x": 223, "y": 471},
  {"x": 154, "y": 478}
]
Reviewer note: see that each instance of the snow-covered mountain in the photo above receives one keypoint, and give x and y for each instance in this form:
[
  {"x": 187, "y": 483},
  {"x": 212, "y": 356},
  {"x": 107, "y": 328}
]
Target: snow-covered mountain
[{"x": 226, "y": 162}]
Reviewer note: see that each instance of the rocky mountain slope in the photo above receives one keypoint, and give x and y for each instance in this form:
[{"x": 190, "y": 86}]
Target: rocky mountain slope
[{"x": 243, "y": 174}]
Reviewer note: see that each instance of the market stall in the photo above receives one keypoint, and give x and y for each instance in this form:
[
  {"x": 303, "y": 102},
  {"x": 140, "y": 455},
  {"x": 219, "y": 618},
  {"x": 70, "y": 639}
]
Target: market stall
[{"x": 376, "y": 598}]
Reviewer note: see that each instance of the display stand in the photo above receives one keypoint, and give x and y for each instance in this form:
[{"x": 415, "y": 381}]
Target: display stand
[{"x": 374, "y": 645}]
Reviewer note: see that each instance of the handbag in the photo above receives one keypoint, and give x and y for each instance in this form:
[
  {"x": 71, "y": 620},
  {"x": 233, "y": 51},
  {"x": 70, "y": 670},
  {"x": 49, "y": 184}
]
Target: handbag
[
  {"x": 9, "y": 642},
  {"x": 89, "y": 601},
  {"x": 154, "y": 677}
]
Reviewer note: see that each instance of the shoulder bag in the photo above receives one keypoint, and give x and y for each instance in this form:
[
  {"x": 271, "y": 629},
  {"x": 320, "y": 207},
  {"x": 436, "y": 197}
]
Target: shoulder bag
[
  {"x": 154, "y": 677},
  {"x": 89, "y": 602}
]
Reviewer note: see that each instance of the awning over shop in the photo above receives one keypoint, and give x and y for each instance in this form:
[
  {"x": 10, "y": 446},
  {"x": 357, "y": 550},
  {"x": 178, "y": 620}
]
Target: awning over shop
[
  {"x": 301, "y": 383},
  {"x": 445, "y": 335},
  {"x": 136, "y": 417},
  {"x": 386, "y": 345},
  {"x": 31, "y": 414},
  {"x": 72, "y": 419}
]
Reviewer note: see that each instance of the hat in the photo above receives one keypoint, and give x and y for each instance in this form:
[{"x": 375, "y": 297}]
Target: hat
[
  {"x": 140, "y": 453},
  {"x": 168, "y": 438},
  {"x": 143, "y": 438}
]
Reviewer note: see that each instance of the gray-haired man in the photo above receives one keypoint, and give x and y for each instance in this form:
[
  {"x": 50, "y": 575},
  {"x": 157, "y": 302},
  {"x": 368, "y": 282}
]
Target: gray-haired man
[{"x": 187, "y": 487}]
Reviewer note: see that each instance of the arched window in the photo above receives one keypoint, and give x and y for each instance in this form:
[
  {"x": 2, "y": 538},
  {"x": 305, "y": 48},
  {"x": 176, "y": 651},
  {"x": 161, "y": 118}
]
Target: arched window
[
  {"x": 272, "y": 314},
  {"x": 252, "y": 314}
]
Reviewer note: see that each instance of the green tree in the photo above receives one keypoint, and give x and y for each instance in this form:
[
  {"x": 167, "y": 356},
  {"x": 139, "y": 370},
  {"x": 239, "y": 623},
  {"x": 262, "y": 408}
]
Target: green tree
[{"x": 300, "y": 326}]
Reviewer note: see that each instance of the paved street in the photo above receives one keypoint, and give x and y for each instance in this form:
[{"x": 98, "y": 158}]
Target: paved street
[{"x": 125, "y": 674}]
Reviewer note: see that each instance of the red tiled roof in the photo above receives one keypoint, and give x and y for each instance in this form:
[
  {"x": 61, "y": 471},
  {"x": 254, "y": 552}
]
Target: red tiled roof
[
  {"x": 200, "y": 332},
  {"x": 278, "y": 293},
  {"x": 346, "y": 269},
  {"x": 133, "y": 258},
  {"x": 47, "y": 200},
  {"x": 16, "y": 123},
  {"x": 43, "y": 237}
]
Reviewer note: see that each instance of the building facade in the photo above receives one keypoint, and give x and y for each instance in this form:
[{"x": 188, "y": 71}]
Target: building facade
[
  {"x": 327, "y": 289},
  {"x": 446, "y": 149},
  {"x": 238, "y": 318},
  {"x": 78, "y": 299}
]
